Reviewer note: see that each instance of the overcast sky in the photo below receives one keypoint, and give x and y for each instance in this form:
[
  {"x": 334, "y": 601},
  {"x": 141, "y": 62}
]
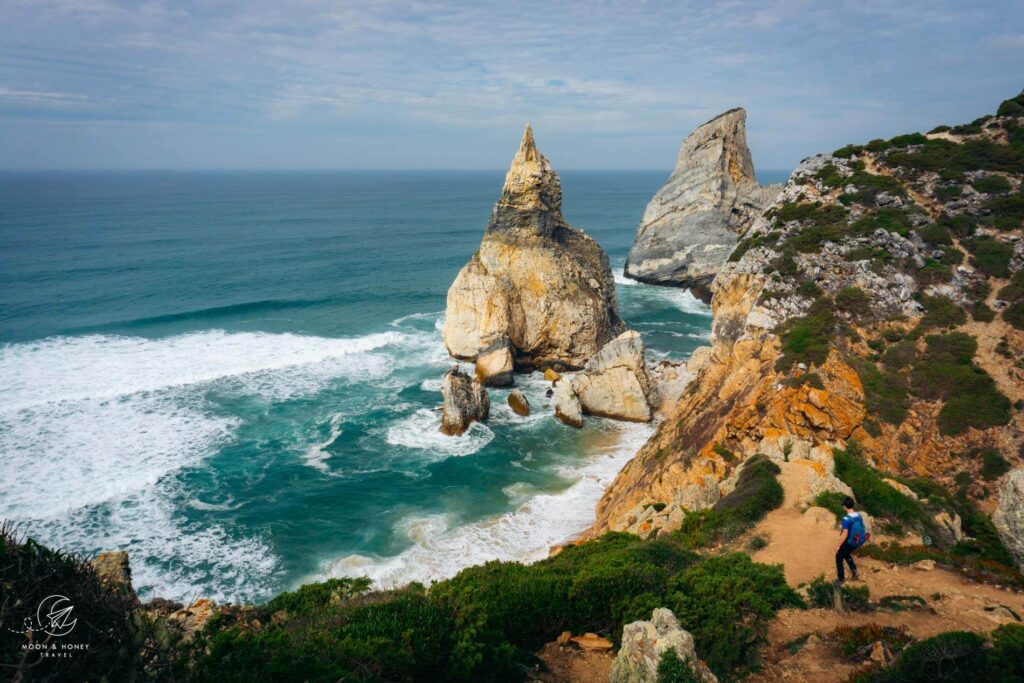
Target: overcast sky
[{"x": 316, "y": 84}]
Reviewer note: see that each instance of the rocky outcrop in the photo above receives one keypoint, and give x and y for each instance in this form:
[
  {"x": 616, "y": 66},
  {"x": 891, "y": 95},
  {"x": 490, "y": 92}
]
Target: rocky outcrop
[
  {"x": 616, "y": 383},
  {"x": 567, "y": 405},
  {"x": 464, "y": 401},
  {"x": 518, "y": 403},
  {"x": 644, "y": 643},
  {"x": 539, "y": 292},
  {"x": 1009, "y": 515},
  {"x": 114, "y": 570},
  {"x": 694, "y": 222}
]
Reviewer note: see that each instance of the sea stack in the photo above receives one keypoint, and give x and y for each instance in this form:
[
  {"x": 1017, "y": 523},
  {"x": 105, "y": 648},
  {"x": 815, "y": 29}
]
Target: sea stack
[
  {"x": 694, "y": 222},
  {"x": 538, "y": 293}
]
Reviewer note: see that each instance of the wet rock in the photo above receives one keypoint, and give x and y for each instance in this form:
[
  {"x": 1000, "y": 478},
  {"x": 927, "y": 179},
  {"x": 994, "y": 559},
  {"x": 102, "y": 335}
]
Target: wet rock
[
  {"x": 464, "y": 401},
  {"x": 518, "y": 403}
]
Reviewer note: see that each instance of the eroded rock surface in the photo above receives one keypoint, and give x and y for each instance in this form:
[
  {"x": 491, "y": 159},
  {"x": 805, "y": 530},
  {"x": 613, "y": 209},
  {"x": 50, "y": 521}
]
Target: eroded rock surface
[
  {"x": 644, "y": 642},
  {"x": 537, "y": 284},
  {"x": 616, "y": 382},
  {"x": 693, "y": 223},
  {"x": 464, "y": 401},
  {"x": 1009, "y": 515}
]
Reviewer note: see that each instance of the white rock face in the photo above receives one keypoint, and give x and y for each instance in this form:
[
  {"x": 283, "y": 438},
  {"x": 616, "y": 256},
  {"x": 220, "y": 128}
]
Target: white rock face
[
  {"x": 694, "y": 222},
  {"x": 616, "y": 383},
  {"x": 1009, "y": 515},
  {"x": 536, "y": 283},
  {"x": 644, "y": 642},
  {"x": 495, "y": 365},
  {"x": 464, "y": 401},
  {"x": 567, "y": 404}
]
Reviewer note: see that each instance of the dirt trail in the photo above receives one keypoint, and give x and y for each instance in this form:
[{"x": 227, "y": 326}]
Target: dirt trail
[{"x": 804, "y": 543}]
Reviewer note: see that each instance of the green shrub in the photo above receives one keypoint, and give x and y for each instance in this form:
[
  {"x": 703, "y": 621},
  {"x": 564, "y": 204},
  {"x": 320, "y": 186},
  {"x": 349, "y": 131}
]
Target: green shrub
[
  {"x": 935, "y": 233},
  {"x": 1006, "y": 662},
  {"x": 1015, "y": 290},
  {"x": 829, "y": 176},
  {"x": 885, "y": 392},
  {"x": 993, "y": 465},
  {"x": 970, "y": 155},
  {"x": 1007, "y": 213},
  {"x": 991, "y": 256},
  {"x": 671, "y": 669},
  {"x": 727, "y": 602},
  {"x": 822, "y": 593},
  {"x": 941, "y": 311},
  {"x": 316, "y": 595},
  {"x": 757, "y": 492},
  {"x": 105, "y": 618},
  {"x": 854, "y": 301},
  {"x": 724, "y": 453},
  {"x": 745, "y": 245},
  {"x": 808, "y": 289},
  {"x": 982, "y": 313},
  {"x": 808, "y": 339},
  {"x": 874, "y": 495},
  {"x": 818, "y": 224},
  {"x": 1014, "y": 314},
  {"x": 992, "y": 184},
  {"x": 1012, "y": 107},
  {"x": 952, "y": 656},
  {"x": 831, "y": 501}
]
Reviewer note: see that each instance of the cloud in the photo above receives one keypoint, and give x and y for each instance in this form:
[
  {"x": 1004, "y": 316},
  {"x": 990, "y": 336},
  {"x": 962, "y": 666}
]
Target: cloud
[{"x": 424, "y": 73}]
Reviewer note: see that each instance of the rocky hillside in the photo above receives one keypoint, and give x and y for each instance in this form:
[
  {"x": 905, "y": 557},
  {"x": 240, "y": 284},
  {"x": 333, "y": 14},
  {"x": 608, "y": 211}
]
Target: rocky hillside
[
  {"x": 693, "y": 223},
  {"x": 880, "y": 298}
]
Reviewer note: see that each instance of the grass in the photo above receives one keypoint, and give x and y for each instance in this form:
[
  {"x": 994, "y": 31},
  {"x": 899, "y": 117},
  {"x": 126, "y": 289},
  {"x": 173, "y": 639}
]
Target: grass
[
  {"x": 991, "y": 256},
  {"x": 809, "y": 338}
]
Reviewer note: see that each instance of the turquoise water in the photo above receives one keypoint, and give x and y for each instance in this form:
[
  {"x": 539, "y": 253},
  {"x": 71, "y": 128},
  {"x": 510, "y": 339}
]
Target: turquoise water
[{"x": 234, "y": 376}]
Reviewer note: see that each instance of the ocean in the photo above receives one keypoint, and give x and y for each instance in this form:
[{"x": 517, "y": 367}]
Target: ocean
[{"x": 235, "y": 376}]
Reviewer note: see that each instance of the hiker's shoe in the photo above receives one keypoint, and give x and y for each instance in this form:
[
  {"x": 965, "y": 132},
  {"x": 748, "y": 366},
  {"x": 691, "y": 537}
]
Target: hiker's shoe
[
  {"x": 856, "y": 576},
  {"x": 838, "y": 582}
]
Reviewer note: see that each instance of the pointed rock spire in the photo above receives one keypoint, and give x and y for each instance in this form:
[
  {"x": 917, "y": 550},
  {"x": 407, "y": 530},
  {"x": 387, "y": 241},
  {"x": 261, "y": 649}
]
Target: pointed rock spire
[{"x": 532, "y": 195}]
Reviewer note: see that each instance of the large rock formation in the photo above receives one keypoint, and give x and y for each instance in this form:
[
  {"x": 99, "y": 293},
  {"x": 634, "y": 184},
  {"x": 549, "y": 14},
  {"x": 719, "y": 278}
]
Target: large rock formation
[
  {"x": 693, "y": 223},
  {"x": 615, "y": 383},
  {"x": 538, "y": 292},
  {"x": 464, "y": 401},
  {"x": 644, "y": 643}
]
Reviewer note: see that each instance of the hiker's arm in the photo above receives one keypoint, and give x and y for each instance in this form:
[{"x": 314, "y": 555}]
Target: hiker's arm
[{"x": 843, "y": 536}]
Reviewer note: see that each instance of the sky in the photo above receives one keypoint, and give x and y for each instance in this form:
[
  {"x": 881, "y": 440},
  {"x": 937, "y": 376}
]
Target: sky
[{"x": 295, "y": 84}]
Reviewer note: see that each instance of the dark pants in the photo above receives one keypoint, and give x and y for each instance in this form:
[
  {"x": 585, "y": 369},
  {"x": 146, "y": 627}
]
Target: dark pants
[{"x": 845, "y": 553}]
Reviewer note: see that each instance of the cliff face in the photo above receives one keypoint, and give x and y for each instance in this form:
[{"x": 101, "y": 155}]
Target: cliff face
[
  {"x": 538, "y": 292},
  {"x": 872, "y": 301},
  {"x": 693, "y": 223}
]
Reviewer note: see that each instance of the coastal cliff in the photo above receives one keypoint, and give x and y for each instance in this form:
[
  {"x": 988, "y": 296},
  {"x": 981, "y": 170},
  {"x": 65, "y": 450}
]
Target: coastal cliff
[
  {"x": 693, "y": 223},
  {"x": 539, "y": 292},
  {"x": 873, "y": 301}
]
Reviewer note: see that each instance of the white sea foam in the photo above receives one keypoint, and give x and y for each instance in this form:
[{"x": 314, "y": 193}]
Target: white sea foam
[
  {"x": 317, "y": 454},
  {"x": 420, "y": 431},
  {"x": 525, "y": 534},
  {"x": 621, "y": 279},
  {"x": 108, "y": 367}
]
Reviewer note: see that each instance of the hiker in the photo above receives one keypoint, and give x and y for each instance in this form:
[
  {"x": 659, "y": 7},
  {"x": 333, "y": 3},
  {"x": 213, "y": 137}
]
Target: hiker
[{"x": 854, "y": 534}]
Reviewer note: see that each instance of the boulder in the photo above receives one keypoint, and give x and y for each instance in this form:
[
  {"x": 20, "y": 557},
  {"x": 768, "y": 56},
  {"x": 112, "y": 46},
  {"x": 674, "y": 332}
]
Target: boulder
[
  {"x": 567, "y": 405},
  {"x": 694, "y": 222},
  {"x": 494, "y": 364},
  {"x": 950, "y": 527},
  {"x": 1009, "y": 515},
  {"x": 615, "y": 383},
  {"x": 464, "y": 401},
  {"x": 551, "y": 376},
  {"x": 644, "y": 642},
  {"x": 518, "y": 403},
  {"x": 591, "y": 642},
  {"x": 114, "y": 571},
  {"x": 542, "y": 285}
]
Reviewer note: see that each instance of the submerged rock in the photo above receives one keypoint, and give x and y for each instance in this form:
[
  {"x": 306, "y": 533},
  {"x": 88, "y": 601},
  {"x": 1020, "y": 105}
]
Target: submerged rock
[
  {"x": 644, "y": 642},
  {"x": 694, "y": 222},
  {"x": 464, "y": 401},
  {"x": 518, "y": 403},
  {"x": 615, "y": 383},
  {"x": 537, "y": 284}
]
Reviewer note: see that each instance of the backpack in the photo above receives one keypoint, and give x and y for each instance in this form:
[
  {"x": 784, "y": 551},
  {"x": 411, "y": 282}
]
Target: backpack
[{"x": 858, "y": 535}]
